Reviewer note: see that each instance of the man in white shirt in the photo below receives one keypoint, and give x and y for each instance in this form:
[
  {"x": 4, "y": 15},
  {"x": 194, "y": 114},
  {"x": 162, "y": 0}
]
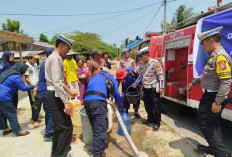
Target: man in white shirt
[{"x": 31, "y": 77}]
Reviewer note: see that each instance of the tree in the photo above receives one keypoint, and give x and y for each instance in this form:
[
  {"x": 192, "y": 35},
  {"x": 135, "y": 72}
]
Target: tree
[
  {"x": 87, "y": 42},
  {"x": 43, "y": 38},
  {"x": 182, "y": 13},
  {"x": 12, "y": 26}
]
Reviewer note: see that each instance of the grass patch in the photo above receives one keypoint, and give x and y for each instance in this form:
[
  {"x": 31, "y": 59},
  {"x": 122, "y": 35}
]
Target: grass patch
[
  {"x": 151, "y": 144},
  {"x": 120, "y": 139}
]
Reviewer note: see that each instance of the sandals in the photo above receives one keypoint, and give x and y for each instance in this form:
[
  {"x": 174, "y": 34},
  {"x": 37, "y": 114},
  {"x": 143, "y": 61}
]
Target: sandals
[
  {"x": 22, "y": 134},
  {"x": 6, "y": 132}
]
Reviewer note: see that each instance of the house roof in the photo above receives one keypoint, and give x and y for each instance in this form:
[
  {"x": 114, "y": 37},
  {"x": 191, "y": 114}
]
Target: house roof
[
  {"x": 16, "y": 37},
  {"x": 133, "y": 44},
  {"x": 24, "y": 53},
  {"x": 42, "y": 44}
]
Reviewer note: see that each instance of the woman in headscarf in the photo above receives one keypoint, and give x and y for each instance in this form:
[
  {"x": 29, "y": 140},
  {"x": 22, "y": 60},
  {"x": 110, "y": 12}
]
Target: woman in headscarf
[
  {"x": 6, "y": 63},
  {"x": 10, "y": 81}
]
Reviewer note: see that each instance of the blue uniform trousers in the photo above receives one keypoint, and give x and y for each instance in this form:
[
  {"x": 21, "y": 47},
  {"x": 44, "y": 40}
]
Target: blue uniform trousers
[
  {"x": 8, "y": 111},
  {"x": 97, "y": 114},
  {"x": 48, "y": 117}
]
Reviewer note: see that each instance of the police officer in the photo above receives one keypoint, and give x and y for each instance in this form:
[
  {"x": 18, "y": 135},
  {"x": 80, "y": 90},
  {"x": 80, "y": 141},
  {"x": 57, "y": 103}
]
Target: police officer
[
  {"x": 151, "y": 74},
  {"x": 215, "y": 82},
  {"x": 96, "y": 108},
  {"x": 57, "y": 98},
  {"x": 127, "y": 62}
]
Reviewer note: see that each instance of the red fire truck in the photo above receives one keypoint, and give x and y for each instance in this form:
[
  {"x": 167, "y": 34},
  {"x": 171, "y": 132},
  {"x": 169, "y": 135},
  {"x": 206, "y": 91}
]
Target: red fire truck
[{"x": 175, "y": 52}]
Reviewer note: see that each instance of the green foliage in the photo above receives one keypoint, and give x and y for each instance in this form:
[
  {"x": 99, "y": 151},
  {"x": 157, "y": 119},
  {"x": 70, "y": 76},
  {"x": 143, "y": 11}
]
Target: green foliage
[
  {"x": 53, "y": 40},
  {"x": 43, "y": 38},
  {"x": 182, "y": 13},
  {"x": 87, "y": 42},
  {"x": 12, "y": 26}
]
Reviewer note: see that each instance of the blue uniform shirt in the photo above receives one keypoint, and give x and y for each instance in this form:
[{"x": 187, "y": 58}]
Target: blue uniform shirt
[
  {"x": 98, "y": 83},
  {"x": 42, "y": 86},
  {"x": 2, "y": 68},
  {"x": 9, "y": 86}
]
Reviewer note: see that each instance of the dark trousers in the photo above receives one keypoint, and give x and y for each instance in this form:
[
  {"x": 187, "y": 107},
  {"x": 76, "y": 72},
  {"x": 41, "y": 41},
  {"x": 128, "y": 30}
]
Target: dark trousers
[
  {"x": 63, "y": 128},
  {"x": 35, "y": 105},
  {"x": 48, "y": 117},
  {"x": 15, "y": 99},
  {"x": 8, "y": 111},
  {"x": 97, "y": 114},
  {"x": 209, "y": 124},
  {"x": 152, "y": 105}
]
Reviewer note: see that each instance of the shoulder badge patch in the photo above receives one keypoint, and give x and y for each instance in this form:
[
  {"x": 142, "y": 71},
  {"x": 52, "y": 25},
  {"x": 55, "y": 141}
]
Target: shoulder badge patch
[{"x": 59, "y": 60}]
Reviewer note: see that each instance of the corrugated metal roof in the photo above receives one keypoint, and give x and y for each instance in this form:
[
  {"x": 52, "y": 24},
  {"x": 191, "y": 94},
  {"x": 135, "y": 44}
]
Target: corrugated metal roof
[
  {"x": 133, "y": 44},
  {"x": 24, "y": 53}
]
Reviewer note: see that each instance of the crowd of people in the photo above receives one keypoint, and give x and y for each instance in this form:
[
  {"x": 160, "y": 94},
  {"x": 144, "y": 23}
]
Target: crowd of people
[{"x": 59, "y": 81}]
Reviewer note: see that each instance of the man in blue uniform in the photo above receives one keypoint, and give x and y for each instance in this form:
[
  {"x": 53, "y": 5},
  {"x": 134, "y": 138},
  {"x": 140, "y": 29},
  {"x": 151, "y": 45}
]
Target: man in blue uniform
[
  {"x": 96, "y": 107},
  {"x": 41, "y": 94},
  {"x": 127, "y": 78}
]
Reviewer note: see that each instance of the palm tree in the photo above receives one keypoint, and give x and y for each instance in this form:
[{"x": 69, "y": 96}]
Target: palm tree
[{"x": 182, "y": 13}]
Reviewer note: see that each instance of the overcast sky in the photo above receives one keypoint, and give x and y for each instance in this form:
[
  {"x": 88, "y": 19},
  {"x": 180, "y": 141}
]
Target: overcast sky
[{"x": 113, "y": 28}]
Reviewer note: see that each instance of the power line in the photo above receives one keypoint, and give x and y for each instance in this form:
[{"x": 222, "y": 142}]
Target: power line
[
  {"x": 80, "y": 14},
  {"x": 152, "y": 19},
  {"x": 118, "y": 28},
  {"x": 88, "y": 23}
]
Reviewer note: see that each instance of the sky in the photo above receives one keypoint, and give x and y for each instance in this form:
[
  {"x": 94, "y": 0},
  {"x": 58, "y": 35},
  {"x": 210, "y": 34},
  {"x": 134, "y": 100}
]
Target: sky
[{"x": 112, "y": 27}]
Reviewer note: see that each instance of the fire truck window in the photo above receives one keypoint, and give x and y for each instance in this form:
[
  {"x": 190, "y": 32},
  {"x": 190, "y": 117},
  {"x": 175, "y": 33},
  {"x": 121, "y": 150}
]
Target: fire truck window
[{"x": 145, "y": 44}]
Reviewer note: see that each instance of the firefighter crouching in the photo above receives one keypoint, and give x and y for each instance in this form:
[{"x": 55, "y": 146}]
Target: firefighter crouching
[
  {"x": 150, "y": 75},
  {"x": 215, "y": 82},
  {"x": 100, "y": 87}
]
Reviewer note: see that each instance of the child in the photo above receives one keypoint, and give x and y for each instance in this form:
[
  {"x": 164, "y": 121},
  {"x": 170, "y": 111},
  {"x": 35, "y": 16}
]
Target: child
[{"x": 127, "y": 78}]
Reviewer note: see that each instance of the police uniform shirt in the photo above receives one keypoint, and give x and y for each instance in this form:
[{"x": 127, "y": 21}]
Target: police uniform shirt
[
  {"x": 54, "y": 73},
  {"x": 127, "y": 63},
  {"x": 216, "y": 75},
  {"x": 155, "y": 73}
]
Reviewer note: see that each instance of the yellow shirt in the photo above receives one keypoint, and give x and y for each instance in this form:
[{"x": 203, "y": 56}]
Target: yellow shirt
[{"x": 70, "y": 67}]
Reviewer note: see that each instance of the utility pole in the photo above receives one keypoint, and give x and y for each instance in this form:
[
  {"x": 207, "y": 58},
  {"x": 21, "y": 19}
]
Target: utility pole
[{"x": 165, "y": 8}]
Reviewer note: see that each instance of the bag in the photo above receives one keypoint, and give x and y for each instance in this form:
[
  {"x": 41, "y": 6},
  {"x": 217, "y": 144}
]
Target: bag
[{"x": 109, "y": 86}]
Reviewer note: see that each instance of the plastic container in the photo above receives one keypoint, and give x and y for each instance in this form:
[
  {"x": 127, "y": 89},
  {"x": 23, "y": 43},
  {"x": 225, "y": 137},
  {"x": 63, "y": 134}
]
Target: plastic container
[
  {"x": 126, "y": 118},
  {"x": 87, "y": 131}
]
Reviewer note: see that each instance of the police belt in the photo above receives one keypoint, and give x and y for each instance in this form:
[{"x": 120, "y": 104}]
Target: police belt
[
  {"x": 51, "y": 88},
  {"x": 209, "y": 91},
  {"x": 149, "y": 86}
]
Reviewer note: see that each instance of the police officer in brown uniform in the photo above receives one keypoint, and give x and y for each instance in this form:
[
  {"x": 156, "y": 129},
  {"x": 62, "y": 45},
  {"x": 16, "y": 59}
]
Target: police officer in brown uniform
[
  {"x": 57, "y": 98},
  {"x": 127, "y": 62},
  {"x": 215, "y": 82},
  {"x": 151, "y": 74}
]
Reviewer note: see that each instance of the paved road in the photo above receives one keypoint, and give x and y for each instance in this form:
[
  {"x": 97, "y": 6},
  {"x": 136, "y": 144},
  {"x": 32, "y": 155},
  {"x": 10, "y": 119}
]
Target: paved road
[{"x": 183, "y": 120}]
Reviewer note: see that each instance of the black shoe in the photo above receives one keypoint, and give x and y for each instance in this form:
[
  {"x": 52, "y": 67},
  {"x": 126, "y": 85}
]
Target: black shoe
[
  {"x": 156, "y": 127},
  {"x": 47, "y": 137},
  {"x": 6, "y": 132},
  {"x": 22, "y": 134},
  {"x": 204, "y": 149},
  {"x": 137, "y": 115},
  {"x": 147, "y": 122}
]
